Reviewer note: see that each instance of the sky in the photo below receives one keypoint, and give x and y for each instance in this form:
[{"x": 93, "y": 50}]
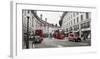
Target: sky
[{"x": 52, "y": 17}]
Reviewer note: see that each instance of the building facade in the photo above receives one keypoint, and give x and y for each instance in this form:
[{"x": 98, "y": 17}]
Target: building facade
[
  {"x": 31, "y": 22},
  {"x": 78, "y": 22}
]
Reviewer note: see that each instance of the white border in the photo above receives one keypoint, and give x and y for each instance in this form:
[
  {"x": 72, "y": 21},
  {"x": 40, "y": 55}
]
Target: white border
[{"x": 17, "y": 31}]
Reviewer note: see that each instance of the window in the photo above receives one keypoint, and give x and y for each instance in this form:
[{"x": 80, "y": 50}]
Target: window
[
  {"x": 77, "y": 19},
  {"x": 81, "y": 17},
  {"x": 74, "y": 21},
  {"x": 77, "y": 13},
  {"x": 67, "y": 23},
  {"x": 67, "y": 29},
  {"x": 71, "y": 16},
  {"x": 85, "y": 25},
  {"x": 71, "y": 22},
  {"x": 77, "y": 26},
  {"x": 27, "y": 17},
  {"x": 74, "y": 14},
  {"x": 87, "y": 15},
  {"x": 32, "y": 22},
  {"x": 28, "y": 11},
  {"x": 71, "y": 29},
  {"x": 81, "y": 26}
]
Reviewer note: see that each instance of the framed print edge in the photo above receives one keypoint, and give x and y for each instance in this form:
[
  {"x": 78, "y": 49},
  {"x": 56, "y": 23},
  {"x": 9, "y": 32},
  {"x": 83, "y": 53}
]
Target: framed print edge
[
  {"x": 13, "y": 37},
  {"x": 17, "y": 51}
]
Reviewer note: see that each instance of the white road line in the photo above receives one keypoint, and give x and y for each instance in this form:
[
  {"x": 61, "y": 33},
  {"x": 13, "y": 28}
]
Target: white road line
[{"x": 59, "y": 46}]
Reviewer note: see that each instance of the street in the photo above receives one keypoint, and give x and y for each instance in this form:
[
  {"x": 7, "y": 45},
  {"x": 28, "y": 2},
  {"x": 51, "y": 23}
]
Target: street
[
  {"x": 67, "y": 27},
  {"x": 53, "y": 43}
]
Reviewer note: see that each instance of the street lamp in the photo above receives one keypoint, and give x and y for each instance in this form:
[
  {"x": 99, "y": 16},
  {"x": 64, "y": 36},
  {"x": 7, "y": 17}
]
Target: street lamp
[{"x": 27, "y": 41}]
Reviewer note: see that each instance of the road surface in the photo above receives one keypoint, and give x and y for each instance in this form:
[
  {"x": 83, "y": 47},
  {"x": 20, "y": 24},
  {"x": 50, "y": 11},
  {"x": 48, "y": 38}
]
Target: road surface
[{"x": 53, "y": 43}]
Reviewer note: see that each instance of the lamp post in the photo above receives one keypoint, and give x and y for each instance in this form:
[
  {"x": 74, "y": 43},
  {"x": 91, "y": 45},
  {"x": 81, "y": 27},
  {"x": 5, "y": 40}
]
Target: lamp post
[
  {"x": 27, "y": 41},
  {"x": 46, "y": 25}
]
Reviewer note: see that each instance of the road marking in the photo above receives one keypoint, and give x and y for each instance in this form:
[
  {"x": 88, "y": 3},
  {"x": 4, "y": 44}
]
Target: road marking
[{"x": 59, "y": 46}]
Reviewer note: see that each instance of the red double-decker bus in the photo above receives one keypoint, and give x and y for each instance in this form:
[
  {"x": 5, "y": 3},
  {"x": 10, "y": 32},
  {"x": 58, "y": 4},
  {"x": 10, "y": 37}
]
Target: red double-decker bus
[
  {"x": 38, "y": 36},
  {"x": 58, "y": 35}
]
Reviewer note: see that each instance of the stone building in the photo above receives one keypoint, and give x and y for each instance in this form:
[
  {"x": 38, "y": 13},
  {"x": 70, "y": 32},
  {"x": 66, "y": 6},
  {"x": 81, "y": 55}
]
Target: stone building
[
  {"x": 35, "y": 22},
  {"x": 78, "y": 22}
]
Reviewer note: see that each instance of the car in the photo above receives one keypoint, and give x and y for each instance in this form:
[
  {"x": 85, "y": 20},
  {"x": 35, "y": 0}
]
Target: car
[{"x": 74, "y": 37}]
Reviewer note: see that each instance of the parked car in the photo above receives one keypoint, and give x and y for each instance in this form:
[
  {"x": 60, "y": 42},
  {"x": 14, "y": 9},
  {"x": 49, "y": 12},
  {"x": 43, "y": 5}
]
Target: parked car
[{"x": 73, "y": 37}]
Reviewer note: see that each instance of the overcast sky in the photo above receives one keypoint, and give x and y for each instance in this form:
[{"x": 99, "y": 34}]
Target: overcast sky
[{"x": 52, "y": 17}]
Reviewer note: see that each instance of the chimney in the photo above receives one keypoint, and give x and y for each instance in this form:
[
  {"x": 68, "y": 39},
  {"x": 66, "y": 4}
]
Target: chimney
[{"x": 41, "y": 16}]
